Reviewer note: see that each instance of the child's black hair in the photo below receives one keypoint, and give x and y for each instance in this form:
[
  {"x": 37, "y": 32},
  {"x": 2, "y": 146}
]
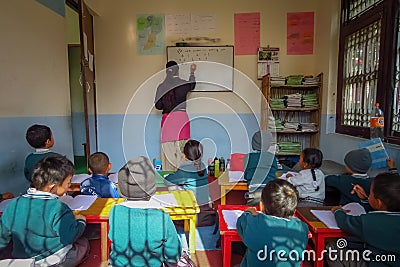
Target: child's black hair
[
  {"x": 386, "y": 187},
  {"x": 313, "y": 157},
  {"x": 98, "y": 163},
  {"x": 193, "y": 151},
  {"x": 279, "y": 198},
  {"x": 37, "y": 135},
  {"x": 51, "y": 170}
]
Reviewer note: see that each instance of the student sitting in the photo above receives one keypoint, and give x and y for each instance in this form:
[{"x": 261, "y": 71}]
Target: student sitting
[
  {"x": 260, "y": 166},
  {"x": 41, "y": 138},
  {"x": 310, "y": 181},
  {"x": 357, "y": 163},
  {"x": 273, "y": 229},
  {"x": 40, "y": 225},
  {"x": 99, "y": 185},
  {"x": 6, "y": 195},
  {"x": 140, "y": 237},
  {"x": 378, "y": 230},
  {"x": 192, "y": 175}
]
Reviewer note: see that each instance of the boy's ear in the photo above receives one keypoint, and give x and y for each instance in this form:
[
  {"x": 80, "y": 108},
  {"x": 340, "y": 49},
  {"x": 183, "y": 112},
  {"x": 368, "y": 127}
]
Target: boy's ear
[
  {"x": 90, "y": 170},
  {"x": 262, "y": 207},
  {"x": 381, "y": 205},
  {"x": 109, "y": 167}
]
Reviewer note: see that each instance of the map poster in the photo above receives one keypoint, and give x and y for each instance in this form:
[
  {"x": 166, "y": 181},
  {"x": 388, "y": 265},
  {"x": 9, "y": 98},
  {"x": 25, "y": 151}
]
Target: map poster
[{"x": 150, "y": 34}]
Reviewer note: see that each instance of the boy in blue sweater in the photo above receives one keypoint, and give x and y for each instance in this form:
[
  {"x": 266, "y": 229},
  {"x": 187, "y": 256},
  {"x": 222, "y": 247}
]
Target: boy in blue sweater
[
  {"x": 41, "y": 226},
  {"x": 99, "y": 185},
  {"x": 275, "y": 229},
  {"x": 140, "y": 237},
  {"x": 41, "y": 138},
  {"x": 377, "y": 231}
]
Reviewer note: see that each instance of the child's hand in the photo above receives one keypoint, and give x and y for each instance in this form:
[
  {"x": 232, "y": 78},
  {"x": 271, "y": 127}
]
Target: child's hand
[
  {"x": 334, "y": 208},
  {"x": 80, "y": 216},
  {"x": 193, "y": 68},
  {"x": 359, "y": 191},
  {"x": 252, "y": 210},
  {"x": 390, "y": 163},
  {"x": 7, "y": 195}
]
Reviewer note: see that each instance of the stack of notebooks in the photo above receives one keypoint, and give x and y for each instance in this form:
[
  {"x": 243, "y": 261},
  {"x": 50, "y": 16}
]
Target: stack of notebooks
[
  {"x": 277, "y": 103},
  {"x": 294, "y": 79},
  {"x": 286, "y": 147},
  {"x": 310, "y": 100},
  {"x": 278, "y": 80},
  {"x": 293, "y": 100},
  {"x": 308, "y": 127},
  {"x": 278, "y": 126},
  {"x": 291, "y": 125},
  {"x": 311, "y": 81}
]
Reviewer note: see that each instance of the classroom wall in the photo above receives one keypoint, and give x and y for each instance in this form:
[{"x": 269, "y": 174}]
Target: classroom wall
[
  {"x": 123, "y": 76},
  {"x": 34, "y": 85}
]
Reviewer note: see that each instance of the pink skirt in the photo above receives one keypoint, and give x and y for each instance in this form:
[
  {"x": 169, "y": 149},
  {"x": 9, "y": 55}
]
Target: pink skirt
[{"x": 175, "y": 126}]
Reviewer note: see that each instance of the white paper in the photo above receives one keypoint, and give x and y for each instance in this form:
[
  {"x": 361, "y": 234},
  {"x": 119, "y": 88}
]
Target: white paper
[
  {"x": 328, "y": 218},
  {"x": 80, "y": 202},
  {"x": 113, "y": 177},
  {"x": 17, "y": 262},
  {"x": 79, "y": 178},
  {"x": 202, "y": 24},
  {"x": 177, "y": 25},
  {"x": 4, "y": 203},
  {"x": 231, "y": 217},
  {"x": 236, "y": 176},
  {"x": 156, "y": 202}
]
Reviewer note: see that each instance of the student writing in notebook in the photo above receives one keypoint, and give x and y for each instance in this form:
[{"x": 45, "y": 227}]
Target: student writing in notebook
[
  {"x": 377, "y": 231},
  {"x": 40, "y": 137},
  {"x": 99, "y": 185},
  {"x": 41, "y": 226},
  {"x": 273, "y": 229},
  {"x": 140, "y": 237}
]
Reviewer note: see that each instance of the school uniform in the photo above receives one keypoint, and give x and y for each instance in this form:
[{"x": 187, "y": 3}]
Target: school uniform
[
  {"x": 309, "y": 190},
  {"x": 187, "y": 178},
  {"x": 32, "y": 159},
  {"x": 263, "y": 233},
  {"x": 100, "y": 186},
  {"x": 379, "y": 230},
  {"x": 260, "y": 168},
  {"x": 40, "y": 225},
  {"x": 142, "y": 237}
]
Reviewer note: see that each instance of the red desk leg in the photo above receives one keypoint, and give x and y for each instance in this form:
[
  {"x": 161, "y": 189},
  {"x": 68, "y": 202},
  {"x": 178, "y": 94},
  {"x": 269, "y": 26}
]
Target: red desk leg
[
  {"x": 227, "y": 247},
  {"x": 319, "y": 247}
]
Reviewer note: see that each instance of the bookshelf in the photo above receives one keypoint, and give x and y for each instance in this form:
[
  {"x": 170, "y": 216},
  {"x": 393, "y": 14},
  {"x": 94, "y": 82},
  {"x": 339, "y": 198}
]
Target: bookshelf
[{"x": 306, "y": 113}]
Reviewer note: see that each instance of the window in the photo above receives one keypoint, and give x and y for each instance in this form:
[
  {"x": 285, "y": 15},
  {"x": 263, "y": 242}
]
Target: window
[{"x": 368, "y": 69}]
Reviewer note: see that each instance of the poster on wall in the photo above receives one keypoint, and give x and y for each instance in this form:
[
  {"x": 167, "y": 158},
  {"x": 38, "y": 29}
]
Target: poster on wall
[
  {"x": 150, "y": 34},
  {"x": 300, "y": 33},
  {"x": 247, "y": 33},
  {"x": 268, "y": 61}
]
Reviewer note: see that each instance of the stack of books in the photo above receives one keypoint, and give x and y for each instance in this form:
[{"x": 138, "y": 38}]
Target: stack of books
[
  {"x": 293, "y": 100},
  {"x": 311, "y": 80},
  {"x": 308, "y": 127},
  {"x": 294, "y": 79},
  {"x": 310, "y": 100},
  {"x": 278, "y": 80},
  {"x": 286, "y": 147},
  {"x": 277, "y": 103},
  {"x": 277, "y": 126},
  {"x": 291, "y": 126}
]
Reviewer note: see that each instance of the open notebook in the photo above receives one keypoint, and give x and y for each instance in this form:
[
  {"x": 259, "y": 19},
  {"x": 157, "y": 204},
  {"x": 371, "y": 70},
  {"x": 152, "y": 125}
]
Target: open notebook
[
  {"x": 327, "y": 217},
  {"x": 80, "y": 202},
  {"x": 156, "y": 202}
]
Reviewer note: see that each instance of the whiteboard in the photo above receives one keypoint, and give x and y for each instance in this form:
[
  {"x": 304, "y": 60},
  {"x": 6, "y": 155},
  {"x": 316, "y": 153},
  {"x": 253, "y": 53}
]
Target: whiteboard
[{"x": 214, "y": 65}]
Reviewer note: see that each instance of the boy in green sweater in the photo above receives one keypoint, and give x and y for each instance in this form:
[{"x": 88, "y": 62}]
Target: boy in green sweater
[
  {"x": 275, "y": 229},
  {"x": 41, "y": 226},
  {"x": 41, "y": 138},
  {"x": 140, "y": 236},
  {"x": 377, "y": 231}
]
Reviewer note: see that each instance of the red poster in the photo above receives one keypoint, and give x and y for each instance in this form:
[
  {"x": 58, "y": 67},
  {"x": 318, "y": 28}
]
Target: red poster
[
  {"x": 300, "y": 33},
  {"x": 247, "y": 33}
]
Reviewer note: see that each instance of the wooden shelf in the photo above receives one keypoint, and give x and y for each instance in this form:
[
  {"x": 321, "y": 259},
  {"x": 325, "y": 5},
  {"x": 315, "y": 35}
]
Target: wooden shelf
[
  {"x": 295, "y": 109},
  {"x": 287, "y": 154},
  {"x": 295, "y": 132},
  {"x": 300, "y": 86}
]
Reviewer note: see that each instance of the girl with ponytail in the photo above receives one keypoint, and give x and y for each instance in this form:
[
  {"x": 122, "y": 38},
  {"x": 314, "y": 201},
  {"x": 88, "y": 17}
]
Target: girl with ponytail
[{"x": 310, "y": 181}]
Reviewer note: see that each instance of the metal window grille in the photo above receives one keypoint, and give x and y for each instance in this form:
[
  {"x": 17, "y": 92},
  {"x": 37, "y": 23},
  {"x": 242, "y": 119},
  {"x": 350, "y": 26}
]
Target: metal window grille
[
  {"x": 361, "y": 74},
  {"x": 358, "y": 7},
  {"x": 396, "y": 96}
]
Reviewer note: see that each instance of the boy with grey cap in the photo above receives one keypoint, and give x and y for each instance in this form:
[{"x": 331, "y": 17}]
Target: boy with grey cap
[
  {"x": 140, "y": 237},
  {"x": 260, "y": 166}
]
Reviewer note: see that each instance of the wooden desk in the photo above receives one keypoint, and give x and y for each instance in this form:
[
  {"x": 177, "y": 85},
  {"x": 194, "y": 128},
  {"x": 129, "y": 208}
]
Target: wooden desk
[
  {"x": 99, "y": 213},
  {"x": 226, "y": 186},
  {"x": 319, "y": 231}
]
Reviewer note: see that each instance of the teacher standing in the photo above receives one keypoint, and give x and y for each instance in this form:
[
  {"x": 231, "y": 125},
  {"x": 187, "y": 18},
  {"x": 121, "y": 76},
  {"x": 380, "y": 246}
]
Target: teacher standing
[{"x": 175, "y": 125}]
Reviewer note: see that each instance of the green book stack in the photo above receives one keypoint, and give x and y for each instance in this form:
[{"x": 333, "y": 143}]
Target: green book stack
[
  {"x": 290, "y": 148},
  {"x": 310, "y": 100},
  {"x": 277, "y": 103}
]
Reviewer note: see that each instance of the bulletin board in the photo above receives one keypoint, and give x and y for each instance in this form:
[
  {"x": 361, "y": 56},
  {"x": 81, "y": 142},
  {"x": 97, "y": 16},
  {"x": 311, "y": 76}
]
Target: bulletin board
[{"x": 214, "y": 65}]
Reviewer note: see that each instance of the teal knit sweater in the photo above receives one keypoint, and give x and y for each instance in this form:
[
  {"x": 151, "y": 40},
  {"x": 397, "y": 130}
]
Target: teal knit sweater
[
  {"x": 39, "y": 225},
  {"x": 142, "y": 237},
  {"x": 32, "y": 159}
]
